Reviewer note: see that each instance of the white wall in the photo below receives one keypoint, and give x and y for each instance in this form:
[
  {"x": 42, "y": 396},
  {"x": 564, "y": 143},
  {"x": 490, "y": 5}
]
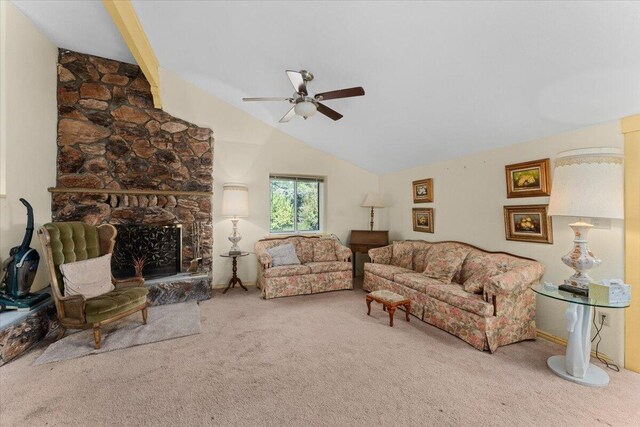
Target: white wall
[
  {"x": 247, "y": 150},
  {"x": 28, "y": 120},
  {"x": 469, "y": 195}
]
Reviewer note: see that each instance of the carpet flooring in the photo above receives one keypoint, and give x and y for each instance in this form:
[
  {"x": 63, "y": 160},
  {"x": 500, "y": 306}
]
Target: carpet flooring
[
  {"x": 164, "y": 322},
  {"x": 314, "y": 360}
]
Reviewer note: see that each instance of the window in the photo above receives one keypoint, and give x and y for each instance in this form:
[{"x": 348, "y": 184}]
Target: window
[{"x": 296, "y": 204}]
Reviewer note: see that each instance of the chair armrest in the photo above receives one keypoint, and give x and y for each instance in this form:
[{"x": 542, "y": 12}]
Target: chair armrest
[
  {"x": 516, "y": 280},
  {"x": 73, "y": 307},
  {"x": 342, "y": 252},
  {"x": 381, "y": 255},
  {"x": 264, "y": 258},
  {"x": 131, "y": 282}
]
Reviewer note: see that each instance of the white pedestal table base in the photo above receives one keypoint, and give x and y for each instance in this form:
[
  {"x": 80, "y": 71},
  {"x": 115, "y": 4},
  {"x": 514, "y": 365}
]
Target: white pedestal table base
[{"x": 575, "y": 366}]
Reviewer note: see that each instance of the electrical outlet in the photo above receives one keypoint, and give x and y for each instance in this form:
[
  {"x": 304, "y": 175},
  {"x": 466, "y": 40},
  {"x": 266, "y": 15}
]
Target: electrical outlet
[{"x": 603, "y": 318}]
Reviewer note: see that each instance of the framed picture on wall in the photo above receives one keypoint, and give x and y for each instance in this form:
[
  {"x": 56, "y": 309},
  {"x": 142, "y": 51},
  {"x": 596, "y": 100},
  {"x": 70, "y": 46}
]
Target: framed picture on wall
[
  {"x": 423, "y": 191},
  {"x": 528, "y": 179},
  {"x": 528, "y": 223},
  {"x": 423, "y": 220}
]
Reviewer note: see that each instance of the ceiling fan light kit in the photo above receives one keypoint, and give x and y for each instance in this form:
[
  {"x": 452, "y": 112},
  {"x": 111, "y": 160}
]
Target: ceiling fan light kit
[
  {"x": 306, "y": 106},
  {"x": 305, "y": 109}
]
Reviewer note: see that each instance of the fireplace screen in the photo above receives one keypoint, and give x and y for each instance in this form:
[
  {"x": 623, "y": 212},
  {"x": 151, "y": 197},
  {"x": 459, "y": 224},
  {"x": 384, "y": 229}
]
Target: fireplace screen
[{"x": 153, "y": 250}]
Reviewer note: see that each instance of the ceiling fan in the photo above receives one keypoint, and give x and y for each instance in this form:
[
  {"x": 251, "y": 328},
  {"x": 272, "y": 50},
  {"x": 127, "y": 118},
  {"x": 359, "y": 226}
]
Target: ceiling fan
[{"x": 305, "y": 105}]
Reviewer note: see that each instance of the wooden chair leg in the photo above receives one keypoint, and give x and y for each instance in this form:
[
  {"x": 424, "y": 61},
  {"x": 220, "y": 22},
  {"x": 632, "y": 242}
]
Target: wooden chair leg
[
  {"x": 96, "y": 336},
  {"x": 144, "y": 316}
]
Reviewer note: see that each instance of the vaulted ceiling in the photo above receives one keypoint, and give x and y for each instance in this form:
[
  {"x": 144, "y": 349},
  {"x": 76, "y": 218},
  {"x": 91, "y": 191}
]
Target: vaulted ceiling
[{"x": 442, "y": 79}]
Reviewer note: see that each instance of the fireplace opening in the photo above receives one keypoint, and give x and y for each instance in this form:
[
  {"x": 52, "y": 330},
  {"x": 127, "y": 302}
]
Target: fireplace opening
[{"x": 152, "y": 250}]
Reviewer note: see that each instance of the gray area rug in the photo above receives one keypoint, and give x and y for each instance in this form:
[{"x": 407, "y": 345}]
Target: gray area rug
[{"x": 164, "y": 322}]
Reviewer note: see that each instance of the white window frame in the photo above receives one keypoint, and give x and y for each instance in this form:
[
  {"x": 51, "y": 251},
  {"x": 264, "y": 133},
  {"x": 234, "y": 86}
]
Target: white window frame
[{"x": 321, "y": 203}]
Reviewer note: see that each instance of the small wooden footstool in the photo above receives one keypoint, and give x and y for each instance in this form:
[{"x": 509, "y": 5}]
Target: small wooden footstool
[{"x": 390, "y": 301}]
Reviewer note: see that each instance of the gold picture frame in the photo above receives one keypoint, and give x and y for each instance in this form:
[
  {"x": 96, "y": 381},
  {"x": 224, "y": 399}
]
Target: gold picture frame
[
  {"x": 423, "y": 191},
  {"x": 423, "y": 220},
  {"x": 528, "y": 179},
  {"x": 528, "y": 223}
]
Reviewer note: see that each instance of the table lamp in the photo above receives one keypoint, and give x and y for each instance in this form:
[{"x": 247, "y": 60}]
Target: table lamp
[
  {"x": 587, "y": 183},
  {"x": 372, "y": 200},
  {"x": 235, "y": 204}
]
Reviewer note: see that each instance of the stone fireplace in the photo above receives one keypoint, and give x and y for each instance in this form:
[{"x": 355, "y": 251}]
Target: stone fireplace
[{"x": 123, "y": 162}]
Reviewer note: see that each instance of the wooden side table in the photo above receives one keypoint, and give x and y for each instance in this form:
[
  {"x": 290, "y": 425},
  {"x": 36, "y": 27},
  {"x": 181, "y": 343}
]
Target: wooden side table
[
  {"x": 234, "y": 278},
  {"x": 360, "y": 241}
]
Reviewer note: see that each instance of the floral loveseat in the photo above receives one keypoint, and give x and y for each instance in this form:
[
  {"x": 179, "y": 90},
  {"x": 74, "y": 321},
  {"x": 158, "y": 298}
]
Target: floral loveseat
[
  {"x": 324, "y": 266},
  {"x": 481, "y": 297}
]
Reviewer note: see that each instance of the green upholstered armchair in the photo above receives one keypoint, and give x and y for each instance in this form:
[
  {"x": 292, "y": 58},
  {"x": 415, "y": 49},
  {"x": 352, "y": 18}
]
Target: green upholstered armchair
[{"x": 75, "y": 241}]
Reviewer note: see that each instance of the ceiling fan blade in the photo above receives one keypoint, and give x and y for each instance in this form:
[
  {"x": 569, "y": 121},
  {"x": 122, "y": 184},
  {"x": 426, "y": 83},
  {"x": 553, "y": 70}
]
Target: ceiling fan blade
[
  {"x": 289, "y": 115},
  {"x": 342, "y": 93},
  {"x": 297, "y": 81},
  {"x": 268, "y": 98},
  {"x": 332, "y": 114}
]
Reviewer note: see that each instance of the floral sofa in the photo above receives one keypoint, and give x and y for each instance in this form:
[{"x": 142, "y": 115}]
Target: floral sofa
[
  {"x": 324, "y": 266},
  {"x": 481, "y": 297}
]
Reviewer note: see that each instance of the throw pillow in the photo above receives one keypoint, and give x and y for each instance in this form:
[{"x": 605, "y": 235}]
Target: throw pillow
[
  {"x": 475, "y": 283},
  {"x": 402, "y": 254},
  {"x": 306, "y": 249},
  {"x": 420, "y": 250},
  {"x": 324, "y": 250},
  {"x": 444, "y": 261},
  {"x": 283, "y": 255},
  {"x": 89, "y": 278}
]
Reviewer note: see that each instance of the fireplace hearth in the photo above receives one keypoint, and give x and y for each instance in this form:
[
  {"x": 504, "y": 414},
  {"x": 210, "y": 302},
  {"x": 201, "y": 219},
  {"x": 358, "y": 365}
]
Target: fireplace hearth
[{"x": 155, "y": 249}]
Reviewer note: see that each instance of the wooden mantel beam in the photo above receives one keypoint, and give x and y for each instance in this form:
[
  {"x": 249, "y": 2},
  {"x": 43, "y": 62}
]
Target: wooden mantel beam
[{"x": 126, "y": 20}]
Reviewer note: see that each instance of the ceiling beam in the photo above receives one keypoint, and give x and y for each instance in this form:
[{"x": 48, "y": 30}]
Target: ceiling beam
[{"x": 127, "y": 22}]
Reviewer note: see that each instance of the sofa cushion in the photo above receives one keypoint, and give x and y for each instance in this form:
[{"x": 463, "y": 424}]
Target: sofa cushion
[
  {"x": 420, "y": 250},
  {"x": 444, "y": 261},
  {"x": 115, "y": 302},
  {"x": 328, "y": 266},
  {"x": 287, "y": 270},
  {"x": 402, "y": 254},
  {"x": 415, "y": 281},
  {"x": 384, "y": 270},
  {"x": 324, "y": 250},
  {"x": 478, "y": 259},
  {"x": 283, "y": 255},
  {"x": 474, "y": 261},
  {"x": 454, "y": 294},
  {"x": 305, "y": 245},
  {"x": 475, "y": 283}
]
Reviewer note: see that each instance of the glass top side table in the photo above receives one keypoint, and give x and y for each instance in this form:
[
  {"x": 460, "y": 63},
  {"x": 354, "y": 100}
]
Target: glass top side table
[
  {"x": 234, "y": 278},
  {"x": 574, "y": 365}
]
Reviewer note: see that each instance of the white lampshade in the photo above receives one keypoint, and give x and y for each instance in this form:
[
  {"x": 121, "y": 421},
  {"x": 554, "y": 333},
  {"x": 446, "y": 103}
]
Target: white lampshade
[
  {"x": 305, "y": 109},
  {"x": 588, "y": 183},
  {"x": 235, "y": 200},
  {"x": 373, "y": 200}
]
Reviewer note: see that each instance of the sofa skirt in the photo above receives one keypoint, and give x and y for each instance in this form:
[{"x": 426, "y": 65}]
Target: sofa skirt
[{"x": 304, "y": 284}]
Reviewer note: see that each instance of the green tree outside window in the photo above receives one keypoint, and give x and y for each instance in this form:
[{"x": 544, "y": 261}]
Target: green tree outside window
[{"x": 295, "y": 204}]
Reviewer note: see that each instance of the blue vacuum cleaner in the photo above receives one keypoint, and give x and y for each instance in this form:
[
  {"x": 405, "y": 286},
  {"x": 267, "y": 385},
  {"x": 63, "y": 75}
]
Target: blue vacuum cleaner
[{"x": 18, "y": 272}]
